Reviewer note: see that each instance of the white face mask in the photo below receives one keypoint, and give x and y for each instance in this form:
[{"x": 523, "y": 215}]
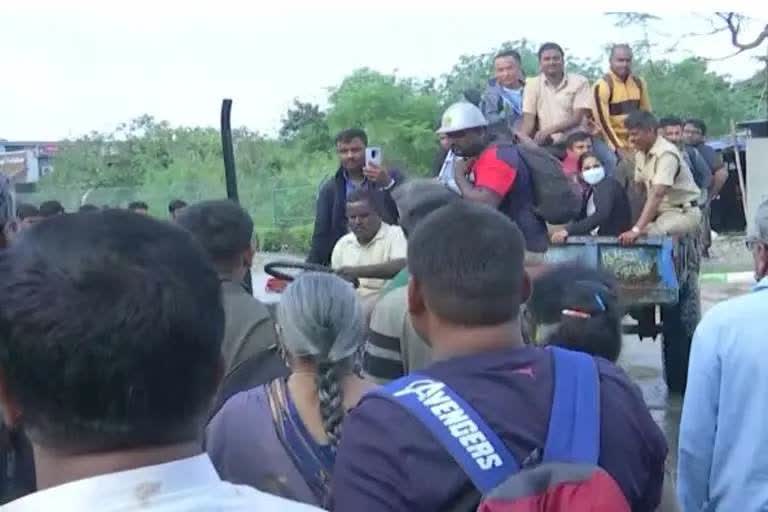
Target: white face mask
[{"x": 593, "y": 176}]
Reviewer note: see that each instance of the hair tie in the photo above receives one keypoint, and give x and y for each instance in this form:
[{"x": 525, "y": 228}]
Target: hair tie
[{"x": 576, "y": 313}]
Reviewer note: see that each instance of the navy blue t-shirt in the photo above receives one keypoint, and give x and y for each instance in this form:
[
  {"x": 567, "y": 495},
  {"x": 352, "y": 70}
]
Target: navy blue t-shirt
[{"x": 388, "y": 461}]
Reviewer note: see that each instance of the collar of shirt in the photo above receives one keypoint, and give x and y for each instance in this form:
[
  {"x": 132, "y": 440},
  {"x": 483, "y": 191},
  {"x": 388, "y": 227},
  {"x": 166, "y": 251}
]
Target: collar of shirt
[
  {"x": 662, "y": 146},
  {"x": 351, "y": 185},
  {"x": 380, "y": 234},
  {"x": 617, "y": 79},
  {"x": 563, "y": 83},
  {"x": 124, "y": 490}
]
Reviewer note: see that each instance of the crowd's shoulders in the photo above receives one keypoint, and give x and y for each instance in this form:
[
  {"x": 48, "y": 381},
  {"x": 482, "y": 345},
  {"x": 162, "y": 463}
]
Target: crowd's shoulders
[
  {"x": 372, "y": 461},
  {"x": 223, "y": 425},
  {"x": 249, "y": 307},
  {"x": 389, "y": 312},
  {"x": 244, "y": 497}
]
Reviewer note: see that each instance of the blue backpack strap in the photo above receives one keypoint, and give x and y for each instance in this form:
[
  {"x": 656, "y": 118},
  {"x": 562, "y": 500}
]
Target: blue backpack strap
[
  {"x": 455, "y": 425},
  {"x": 574, "y": 424}
]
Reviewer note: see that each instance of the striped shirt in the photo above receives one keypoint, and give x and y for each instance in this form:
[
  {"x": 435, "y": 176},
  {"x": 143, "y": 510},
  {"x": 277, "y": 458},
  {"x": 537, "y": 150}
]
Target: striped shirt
[
  {"x": 612, "y": 105},
  {"x": 393, "y": 348}
]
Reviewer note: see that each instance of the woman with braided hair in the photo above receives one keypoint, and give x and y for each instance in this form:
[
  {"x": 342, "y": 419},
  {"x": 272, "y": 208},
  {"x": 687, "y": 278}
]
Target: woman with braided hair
[{"x": 284, "y": 435}]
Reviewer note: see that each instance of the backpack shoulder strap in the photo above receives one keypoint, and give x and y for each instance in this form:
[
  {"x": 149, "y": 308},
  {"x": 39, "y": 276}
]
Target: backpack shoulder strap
[
  {"x": 609, "y": 81},
  {"x": 574, "y": 423},
  {"x": 456, "y": 426}
]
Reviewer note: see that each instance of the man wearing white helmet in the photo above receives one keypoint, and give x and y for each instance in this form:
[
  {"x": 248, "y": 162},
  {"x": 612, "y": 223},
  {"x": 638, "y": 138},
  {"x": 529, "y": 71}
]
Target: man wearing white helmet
[{"x": 492, "y": 174}]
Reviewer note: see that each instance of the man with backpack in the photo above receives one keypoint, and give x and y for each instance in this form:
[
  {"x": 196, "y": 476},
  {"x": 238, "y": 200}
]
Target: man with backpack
[
  {"x": 439, "y": 439},
  {"x": 497, "y": 174},
  {"x": 616, "y": 95}
]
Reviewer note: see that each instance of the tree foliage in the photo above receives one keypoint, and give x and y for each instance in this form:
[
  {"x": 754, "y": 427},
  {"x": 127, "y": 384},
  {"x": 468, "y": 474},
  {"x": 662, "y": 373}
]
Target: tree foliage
[{"x": 279, "y": 176}]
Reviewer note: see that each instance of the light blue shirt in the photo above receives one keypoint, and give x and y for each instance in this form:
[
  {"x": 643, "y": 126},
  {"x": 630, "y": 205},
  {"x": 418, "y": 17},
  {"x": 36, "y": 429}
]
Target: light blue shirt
[{"x": 723, "y": 453}]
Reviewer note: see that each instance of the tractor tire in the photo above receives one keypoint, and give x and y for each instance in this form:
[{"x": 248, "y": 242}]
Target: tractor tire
[{"x": 679, "y": 322}]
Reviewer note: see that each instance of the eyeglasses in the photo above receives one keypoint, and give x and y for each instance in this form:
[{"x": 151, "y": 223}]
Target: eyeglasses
[{"x": 752, "y": 244}]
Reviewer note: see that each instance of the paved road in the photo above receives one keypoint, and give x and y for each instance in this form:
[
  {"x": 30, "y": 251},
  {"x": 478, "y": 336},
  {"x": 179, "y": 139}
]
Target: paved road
[{"x": 640, "y": 359}]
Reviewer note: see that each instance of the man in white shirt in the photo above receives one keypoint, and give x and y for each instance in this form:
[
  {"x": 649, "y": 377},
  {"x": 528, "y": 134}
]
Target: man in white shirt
[
  {"x": 111, "y": 327},
  {"x": 373, "y": 252}
]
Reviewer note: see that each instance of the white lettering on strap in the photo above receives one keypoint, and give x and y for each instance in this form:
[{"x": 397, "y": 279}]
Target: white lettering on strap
[{"x": 430, "y": 393}]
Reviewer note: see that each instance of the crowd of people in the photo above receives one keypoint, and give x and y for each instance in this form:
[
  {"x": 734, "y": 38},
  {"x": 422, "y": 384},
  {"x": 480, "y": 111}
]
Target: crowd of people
[{"x": 439, "y": 364}]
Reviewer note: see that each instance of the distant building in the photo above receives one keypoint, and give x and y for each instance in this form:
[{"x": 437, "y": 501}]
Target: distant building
[{"x": 26, "y": 161}]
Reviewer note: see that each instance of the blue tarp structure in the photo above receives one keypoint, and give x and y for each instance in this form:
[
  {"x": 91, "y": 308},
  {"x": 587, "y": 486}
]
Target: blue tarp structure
[{"x": 726, "y": 144}]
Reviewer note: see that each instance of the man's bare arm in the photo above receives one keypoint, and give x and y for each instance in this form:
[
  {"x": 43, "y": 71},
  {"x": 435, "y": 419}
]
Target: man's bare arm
[
  {"x": 719, "y": 177},
  {"x": 476, "y": 194},
  {"x": 575, "y": 120},
  {"x": 386, "y": 270},
  {"x": 529, "y": 124}
]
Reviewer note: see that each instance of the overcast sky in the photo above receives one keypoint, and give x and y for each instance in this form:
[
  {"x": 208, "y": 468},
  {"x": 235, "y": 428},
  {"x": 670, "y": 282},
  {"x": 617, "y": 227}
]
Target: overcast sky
[{"x": 68, "y": 70}]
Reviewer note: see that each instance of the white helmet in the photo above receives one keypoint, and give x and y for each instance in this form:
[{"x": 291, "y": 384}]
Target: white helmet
[{"x": 461, "y": 116}]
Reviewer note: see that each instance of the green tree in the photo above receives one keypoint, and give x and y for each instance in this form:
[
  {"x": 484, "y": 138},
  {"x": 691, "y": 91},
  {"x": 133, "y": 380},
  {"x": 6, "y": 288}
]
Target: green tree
[
  {"x": 400, "y": 115},
  {"x": 706, "y": 95},
  {"x": 305, "y": 124}
]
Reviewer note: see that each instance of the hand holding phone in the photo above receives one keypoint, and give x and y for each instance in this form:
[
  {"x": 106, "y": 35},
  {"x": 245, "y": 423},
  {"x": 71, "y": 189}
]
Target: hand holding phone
[
  {"x": 373, "y": 168},
  {"x": 373, "y": 156}
]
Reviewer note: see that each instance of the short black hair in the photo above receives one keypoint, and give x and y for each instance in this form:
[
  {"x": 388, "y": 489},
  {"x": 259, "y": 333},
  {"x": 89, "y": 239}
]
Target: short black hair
[
  {"x": 89, "y": 208},
  {"x": 699, "y": 124},
  {"x": 128, "y": 353},
  {"x": 138, "y": 205},
  {"x": 584, "y": 156},
  {"x": 577, "y": 136},
  {"x": 550, "y": 46},
  {"x": 26, "y": 210},
  {"x": 222, "y": 227},
  {"x": 360, "y": 195},
  {"x": 622, "y": 46},
  {"x": 176, "y": 204},
  {"x": 51, "y": 208},
  {"x": 351, "y": 134},
  {"x": 575, "y": 287},
  {"x": 509, "y": 53},
  {"x": 474, "y": 277},
  {"x": 670, "y": 121},
  {"x": 641, "y": 120}
]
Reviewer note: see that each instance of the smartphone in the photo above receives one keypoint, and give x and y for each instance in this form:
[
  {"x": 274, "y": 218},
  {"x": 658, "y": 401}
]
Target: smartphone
[{"x": 373, "y": 156}]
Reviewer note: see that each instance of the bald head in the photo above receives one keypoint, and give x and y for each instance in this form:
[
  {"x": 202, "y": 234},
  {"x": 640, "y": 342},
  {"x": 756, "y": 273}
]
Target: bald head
[{"x": 621, "y": 60}]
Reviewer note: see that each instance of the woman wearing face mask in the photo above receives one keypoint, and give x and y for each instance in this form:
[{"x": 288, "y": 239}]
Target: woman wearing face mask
[{"x": 606, "y": 209}]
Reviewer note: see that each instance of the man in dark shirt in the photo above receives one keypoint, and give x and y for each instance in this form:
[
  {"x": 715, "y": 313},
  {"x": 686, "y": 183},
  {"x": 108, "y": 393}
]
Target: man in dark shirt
[
  {"x": 353, "y": 174},
  {"x": 464, "y": 296},
  {"x": 493, "y": 174},
  {"x": 695, "y": 135},
  {"x": 225, "y": 230}
]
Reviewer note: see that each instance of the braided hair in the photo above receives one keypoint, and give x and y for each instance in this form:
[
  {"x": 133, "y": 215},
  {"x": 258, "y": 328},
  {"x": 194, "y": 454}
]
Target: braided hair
[{"x": 321, "y": 318}]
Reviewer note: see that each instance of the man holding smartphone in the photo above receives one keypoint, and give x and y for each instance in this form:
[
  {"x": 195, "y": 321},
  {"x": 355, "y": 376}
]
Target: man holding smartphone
[{"x": 353, "y": 174}]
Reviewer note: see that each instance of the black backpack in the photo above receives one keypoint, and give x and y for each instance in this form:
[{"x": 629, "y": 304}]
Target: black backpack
[{"x": 554, "y": 196}]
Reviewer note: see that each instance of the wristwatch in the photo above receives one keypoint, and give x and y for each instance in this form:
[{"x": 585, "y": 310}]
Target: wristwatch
[{"x": 636, "y": 230}]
